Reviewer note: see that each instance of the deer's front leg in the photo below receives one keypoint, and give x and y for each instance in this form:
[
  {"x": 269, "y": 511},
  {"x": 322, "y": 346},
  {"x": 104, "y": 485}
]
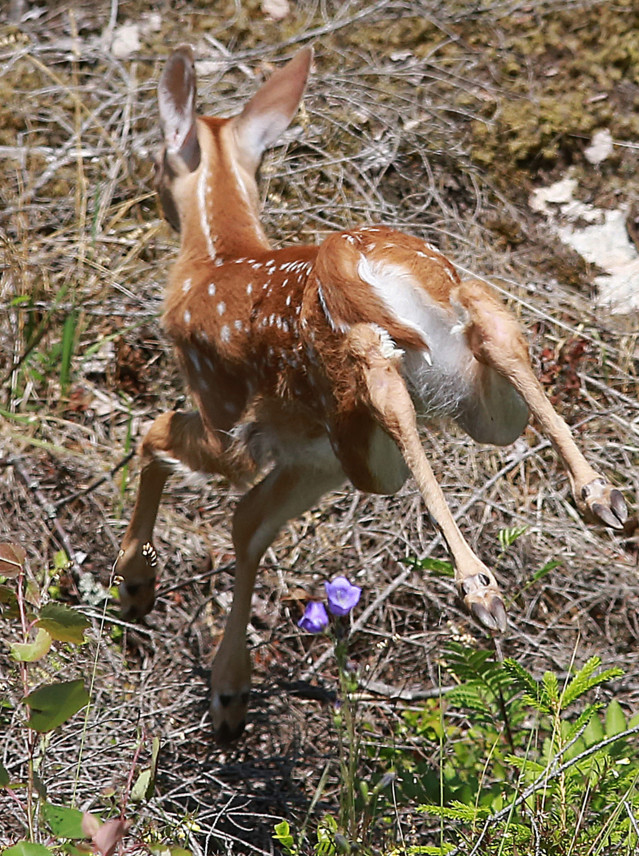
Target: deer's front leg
[
  {"x": 495, "y": 340},
  {"x": 173, "y": 439},
  {"x": 285, "y": 493},
  {"x": 389, "y": 398}
]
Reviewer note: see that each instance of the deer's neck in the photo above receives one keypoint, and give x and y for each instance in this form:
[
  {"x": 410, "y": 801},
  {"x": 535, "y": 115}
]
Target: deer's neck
[{"x": 224, "y": 223}]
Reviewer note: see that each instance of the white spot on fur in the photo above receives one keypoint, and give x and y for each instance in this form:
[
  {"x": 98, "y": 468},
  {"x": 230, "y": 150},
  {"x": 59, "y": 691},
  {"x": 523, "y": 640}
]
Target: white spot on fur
[
  {"x": 221, "y": 307},
  {"x": 212, "y": 289},
  {"x": 186, "y": 285},
  {"x": 187, "y": 317},
  {"x": 225, "y": 334},
  {"x": 202, "y": 192}
]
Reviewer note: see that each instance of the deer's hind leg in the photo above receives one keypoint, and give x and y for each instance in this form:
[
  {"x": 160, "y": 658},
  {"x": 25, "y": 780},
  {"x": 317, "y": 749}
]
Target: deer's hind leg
[
  {"x": 384, "y": 390},
  {"x": 174, "y": 439},
  {"x": 495, "y": 340}
]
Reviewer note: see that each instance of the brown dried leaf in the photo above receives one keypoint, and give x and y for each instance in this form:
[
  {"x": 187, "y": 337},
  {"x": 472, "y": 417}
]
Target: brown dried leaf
[
  {"x": 90, "y": 824},
  {"x": 12, "y": 558},
  {"x": 105, "y": 836}
]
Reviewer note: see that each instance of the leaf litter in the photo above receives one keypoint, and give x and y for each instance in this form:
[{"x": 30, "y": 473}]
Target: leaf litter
[{"x": 418, "y": 114}]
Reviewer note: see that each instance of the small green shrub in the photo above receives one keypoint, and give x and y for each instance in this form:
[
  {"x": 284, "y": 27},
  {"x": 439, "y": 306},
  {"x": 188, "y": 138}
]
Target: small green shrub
[
  {"x": 47, "y": 629},
  {"x": 534, "y": 770}
]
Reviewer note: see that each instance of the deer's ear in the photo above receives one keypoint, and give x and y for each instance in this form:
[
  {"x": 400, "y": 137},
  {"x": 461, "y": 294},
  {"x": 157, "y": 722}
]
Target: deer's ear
[
  {"x": 176, "y": 100},
  {"x": 271, "y": 109}
]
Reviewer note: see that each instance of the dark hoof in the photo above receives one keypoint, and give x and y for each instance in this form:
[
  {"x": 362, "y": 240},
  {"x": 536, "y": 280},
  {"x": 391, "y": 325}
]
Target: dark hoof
[
  {"x": 136, "y": 600},
  {"x": 493, "y": 617},
  {"x": 480, "y": 593},
  {"x": 228, "y": 712},
  {"x": 226, "y": 734},
  {"x": 605, "y": 504}
]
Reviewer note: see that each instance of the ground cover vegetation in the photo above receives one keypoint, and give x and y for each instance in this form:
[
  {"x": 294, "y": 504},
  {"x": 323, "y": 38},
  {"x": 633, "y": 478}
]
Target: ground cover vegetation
[{"x": 400, "y": 728}]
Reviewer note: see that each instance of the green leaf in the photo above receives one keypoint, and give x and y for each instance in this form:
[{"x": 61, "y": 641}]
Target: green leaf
[
  {"x": 30, "y": 652},
  {"x": 63, "y": 623},
  {"x": 282, "y": 833},
  {"x": 144, "y": 786},
  {"x": 615, "y": 719},
  {"x": 167, "y": 850},
  {"x": 546, "y": 569},
  {"x": 437, "y": 566},
  {"x": 142, "y": 790},
  {"x": 4, "y": 776},
  {"x": 53, "y": 704},
  {"x": 64, "y": 822},
  {"x": 508, "y": 536},
  {"x": 8, "y": 595},
  {"x": 20, "y": 300},
  {"x": 61, "y": 561},
  {"x": 27, "y": 848},
  {"x": 594, "y": 732},
  {"x": 68, "y": 346}
]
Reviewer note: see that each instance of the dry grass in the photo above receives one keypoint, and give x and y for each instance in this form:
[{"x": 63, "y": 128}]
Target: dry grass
[{"x": 386, "y": 135}]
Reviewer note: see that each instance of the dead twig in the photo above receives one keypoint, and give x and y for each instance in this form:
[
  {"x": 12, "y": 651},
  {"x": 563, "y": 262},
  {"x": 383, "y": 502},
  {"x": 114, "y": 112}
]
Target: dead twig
[{"x": 65, "y": 500}]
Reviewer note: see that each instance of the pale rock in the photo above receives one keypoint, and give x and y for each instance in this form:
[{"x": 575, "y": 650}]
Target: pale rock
[
  {"x": 276, "y": 10},
  {"x": 600, "y": 147},
  {"x": 126, "y": 41}
]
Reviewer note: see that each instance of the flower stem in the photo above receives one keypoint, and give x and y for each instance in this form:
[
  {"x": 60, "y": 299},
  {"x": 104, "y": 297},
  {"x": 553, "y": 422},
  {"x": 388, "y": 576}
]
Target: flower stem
[{"x": 348, "y": 745}]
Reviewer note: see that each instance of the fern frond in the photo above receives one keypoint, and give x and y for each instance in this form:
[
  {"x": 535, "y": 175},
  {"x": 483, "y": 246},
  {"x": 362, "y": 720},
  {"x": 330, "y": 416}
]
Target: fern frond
[
  {"x": 468, "y": 696},
  {"x": 525, "y": 764},
  {"x": 521, "y": 677},
  {"x": 582, "y": 721},
  {"x": 585, "y": 680},
  {"x": 456, "y": 811},
  {"x": 550, "y": 688}
]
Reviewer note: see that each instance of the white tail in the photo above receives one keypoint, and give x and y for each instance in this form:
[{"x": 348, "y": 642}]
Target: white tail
[{"x": 311, "y": 363}]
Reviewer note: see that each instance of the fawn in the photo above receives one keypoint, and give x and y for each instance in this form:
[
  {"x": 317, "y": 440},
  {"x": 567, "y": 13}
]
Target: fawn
[{"x": 309, "y": 365}]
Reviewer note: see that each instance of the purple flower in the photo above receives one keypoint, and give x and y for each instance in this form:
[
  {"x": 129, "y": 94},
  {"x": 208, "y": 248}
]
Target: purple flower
[
  {"x": 315, "y": 618},
  {"x": 342, "y": 596}
]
